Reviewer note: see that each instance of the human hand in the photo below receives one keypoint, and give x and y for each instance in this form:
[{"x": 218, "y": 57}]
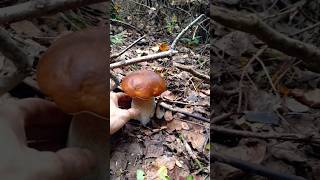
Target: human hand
[
  {"x": 30, "y": 125},
  {"x": 119, "y": 117}
]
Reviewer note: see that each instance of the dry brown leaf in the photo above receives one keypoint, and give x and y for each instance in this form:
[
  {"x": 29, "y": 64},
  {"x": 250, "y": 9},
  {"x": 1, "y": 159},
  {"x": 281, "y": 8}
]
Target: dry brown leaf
[
  {"x": 168, "y": 116},
  {"x": 197, "y": 140},
  {"x": 310, "y": 98},
  {"x": 164, "y": 47},
  {"x": 26, "y": 28}
]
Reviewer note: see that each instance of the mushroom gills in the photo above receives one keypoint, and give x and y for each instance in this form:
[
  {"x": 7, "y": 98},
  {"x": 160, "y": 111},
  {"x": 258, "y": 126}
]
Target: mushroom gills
[{"x": 146, "y": 107}]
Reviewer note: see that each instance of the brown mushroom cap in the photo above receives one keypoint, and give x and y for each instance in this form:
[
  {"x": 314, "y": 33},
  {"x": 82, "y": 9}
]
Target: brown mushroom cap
[
  {"x": 73, "y": 72},
  {"x": 143, "y": 84}
]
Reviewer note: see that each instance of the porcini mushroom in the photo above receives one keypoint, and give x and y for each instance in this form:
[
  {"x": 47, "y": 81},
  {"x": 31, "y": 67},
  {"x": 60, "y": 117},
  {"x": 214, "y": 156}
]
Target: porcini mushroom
[
  {"x": 142, "y": 86},
  {"x": 73, "y": 72}
]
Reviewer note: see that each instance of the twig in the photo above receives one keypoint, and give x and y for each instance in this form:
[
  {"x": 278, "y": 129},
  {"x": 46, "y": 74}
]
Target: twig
[
  {"x": 267, "y": 74},
  {"x": 10, "y": 49},
  {"x": 169, "y": 53},
  {"x": 169, "y": 107},
  {"x": 279, "y": 136},
  {"x": 244, "y": 72},
  {"x": 191, "y": 70},
  {"x": 250, "y": 23},
  {"x": 220, "y": 118},
  {"x": 184, "y": 103},
  {"x": 253, "y": 168},
  {"x": 305, "y": 29},
  {"x": 184, "y": 31},
  {"x": 126, "y": 24},
  {"x": 37, "y": 8},
  {"x": 142, "y": 59},
  {"x": 127, "y": 48},
  {"x": 190, "y": 152}
]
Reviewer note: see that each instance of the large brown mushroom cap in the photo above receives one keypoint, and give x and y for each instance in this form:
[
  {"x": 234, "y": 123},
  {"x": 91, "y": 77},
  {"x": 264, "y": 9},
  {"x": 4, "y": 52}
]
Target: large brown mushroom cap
[
  {"x": 143, "y": 84},
  {"x": 73, "y": 72}
]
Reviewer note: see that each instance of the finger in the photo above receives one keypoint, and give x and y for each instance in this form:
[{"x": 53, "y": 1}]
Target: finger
[
  {"x": 40, "y": 112},
  {"x": 127, "y": 114},
  {"x": 66, "y": 164},
  {"x": 133, "y": 112},
  {"x": 76, "y": 162}
]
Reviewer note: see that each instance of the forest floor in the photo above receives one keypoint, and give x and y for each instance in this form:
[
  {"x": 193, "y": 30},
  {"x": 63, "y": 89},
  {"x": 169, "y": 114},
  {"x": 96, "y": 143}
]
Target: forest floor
[
  {"x": 263, "y": 91},
  {"x": 176, "y": 143}
]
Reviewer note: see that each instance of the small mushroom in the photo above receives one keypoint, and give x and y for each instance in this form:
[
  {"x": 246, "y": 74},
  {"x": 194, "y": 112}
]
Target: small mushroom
[{"x": 142, "y": 86}]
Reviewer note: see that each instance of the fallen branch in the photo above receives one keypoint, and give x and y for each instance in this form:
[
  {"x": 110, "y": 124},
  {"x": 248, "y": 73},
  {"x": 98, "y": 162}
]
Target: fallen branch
[
  {"x": 172, "y": 46},
  {"x": 114, "y": 56},
  {"x": 253, "y": 168},
  {"x": 169, "y": 107},
  {"x": 169, "y": 53},
  {"x": 143, "y": 59},
  {"x": 279, "y": 136},
  {"x": 20, "y": 59},
  {"x": 36, "y": 8},
  {"x": 250, "y": 23},
  {"x": 221, "y": 117},
  {"x": 192, "y": 71}
]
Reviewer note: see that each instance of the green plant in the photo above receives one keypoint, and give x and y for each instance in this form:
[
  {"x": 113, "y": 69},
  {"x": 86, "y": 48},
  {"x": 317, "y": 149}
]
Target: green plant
[
  {"x": 191, "y": 41},
  {"x": 116, "y": 39},
  {"x": 171, "y": 22}
]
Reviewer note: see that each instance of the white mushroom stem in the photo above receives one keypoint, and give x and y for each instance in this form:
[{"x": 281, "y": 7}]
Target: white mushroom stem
[{"x": 146, "y": 107}]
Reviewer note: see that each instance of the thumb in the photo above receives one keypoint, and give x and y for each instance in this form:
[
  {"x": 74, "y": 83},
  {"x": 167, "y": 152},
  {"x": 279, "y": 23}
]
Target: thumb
[
  {"x": 76, "y": 162},
  {"x": 132, "y": 113}
]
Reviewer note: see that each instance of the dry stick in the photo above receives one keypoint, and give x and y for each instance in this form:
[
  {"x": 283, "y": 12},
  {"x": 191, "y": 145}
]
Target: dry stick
[
  {"x": 306, "y": 29},
  {"x": 243, "y": 73},
  {"x": 142, "y": 59},
  {"x": 126, "y": 24},
  {"x": 253, "y": 168},
  {"x": 184, "y": 31},
  {"x": 267, "y": 74},
  {"x": 36, "y": 8},
  {"x": 279, "y": 136},
  {"x": 192, "y": 71},
  {"x": 169, "y": 107},
  {"x": 169, "y": 53},
  {"x": 190, "y": 152},
  {"x": 220, "y": 118},
  {"x": 20, "y": 59},
  {"x": 250, "y": 23},
  {"x": 127, "y": 48}
]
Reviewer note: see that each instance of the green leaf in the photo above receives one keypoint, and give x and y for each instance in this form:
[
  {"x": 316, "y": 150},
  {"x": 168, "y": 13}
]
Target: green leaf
[
  {"x": 189, "y": 177},
  {"x": 116, "y": 39},
  {"x": 208, "y": 146},
  {"x": 140, "y": 174},
  {"x": 163, "y": 173}
]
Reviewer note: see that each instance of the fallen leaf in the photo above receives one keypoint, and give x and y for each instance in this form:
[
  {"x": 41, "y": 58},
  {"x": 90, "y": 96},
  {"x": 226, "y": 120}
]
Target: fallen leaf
[
  {"x": 174, "y": 125},
  {"x": 168, "y": 162},
  {"x": 185, "y": 126},
  {"x": 310, "y": 98},
  {"x": 164, "y": 47},
  {"x": 296, "y": 106},
  {"x": 262, "y": 117},
  {"x": 197, "y": 140},
  {"x": 168, "y": 116},
  {"x": 153, "y": 150},
  {"x": 26, "y": 28}
]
